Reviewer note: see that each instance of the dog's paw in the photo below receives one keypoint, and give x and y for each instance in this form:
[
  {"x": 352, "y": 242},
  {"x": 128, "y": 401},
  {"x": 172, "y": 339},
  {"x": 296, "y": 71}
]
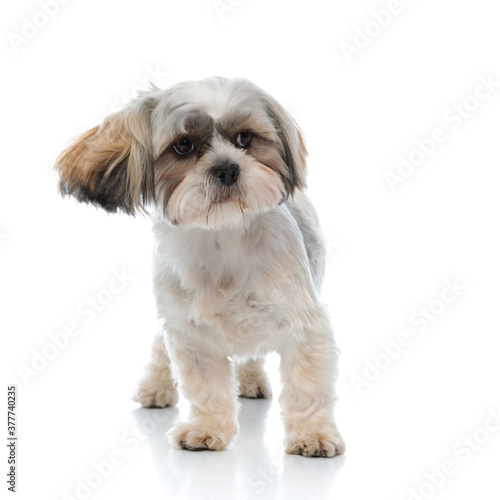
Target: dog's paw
[
  {"x": 315, "y": 444},
  {"x": 152, "y": 395},
  {"x": 255, "y": 388},
  {"x": 194, "y": 436}
]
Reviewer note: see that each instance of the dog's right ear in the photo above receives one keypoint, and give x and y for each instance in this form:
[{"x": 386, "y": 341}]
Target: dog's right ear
[{"x": 111, "y": 166}]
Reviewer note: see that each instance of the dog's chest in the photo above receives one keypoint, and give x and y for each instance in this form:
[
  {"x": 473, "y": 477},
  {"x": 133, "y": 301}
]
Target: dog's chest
[
  {"x": 224, "y": 276},
  {"x": 233, "y": 284}
]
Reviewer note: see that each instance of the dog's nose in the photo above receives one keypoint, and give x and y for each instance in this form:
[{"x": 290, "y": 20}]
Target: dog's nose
[{"x": 226, "y": 172}]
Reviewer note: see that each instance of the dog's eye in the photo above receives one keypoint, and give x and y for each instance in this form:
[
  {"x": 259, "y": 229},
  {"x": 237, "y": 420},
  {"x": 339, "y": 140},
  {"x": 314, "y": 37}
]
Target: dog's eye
[
  {"x": 184, "y": 146},
  {"x": 244, "y": 138}
]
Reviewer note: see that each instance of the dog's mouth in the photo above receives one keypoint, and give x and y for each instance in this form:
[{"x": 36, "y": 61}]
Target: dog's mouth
[
  {"x": 226, "y": 196},
  {"x": 222, "y": 194}
]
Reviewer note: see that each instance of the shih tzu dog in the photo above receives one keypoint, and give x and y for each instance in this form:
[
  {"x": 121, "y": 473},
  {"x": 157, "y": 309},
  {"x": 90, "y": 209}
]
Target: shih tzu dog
[{"x": 219, "y": 166}]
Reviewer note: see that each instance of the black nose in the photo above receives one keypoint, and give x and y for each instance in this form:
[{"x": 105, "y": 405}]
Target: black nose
[{"x": 226, "y": 172}]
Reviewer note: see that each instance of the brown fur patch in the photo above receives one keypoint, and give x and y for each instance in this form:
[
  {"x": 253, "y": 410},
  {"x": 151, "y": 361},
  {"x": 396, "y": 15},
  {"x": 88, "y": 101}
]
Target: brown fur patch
[
  {"x": 170, "y": 170},
  {"x": 111, "y": 165},
  {"x": 231, "y": 124},
  {"x": 268, "y": 154}
]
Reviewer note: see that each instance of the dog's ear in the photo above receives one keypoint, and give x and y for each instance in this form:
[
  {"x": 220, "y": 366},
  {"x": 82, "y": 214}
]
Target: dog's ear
[
  {"x": 293, "y": 148},
  {"x": 111, "y": 166}
]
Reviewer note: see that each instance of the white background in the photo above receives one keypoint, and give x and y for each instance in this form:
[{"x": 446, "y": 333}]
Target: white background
[{"x": 390, "y": 252}]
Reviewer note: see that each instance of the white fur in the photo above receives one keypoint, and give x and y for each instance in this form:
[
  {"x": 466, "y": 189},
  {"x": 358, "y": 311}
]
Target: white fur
[
  {"x": 241, "y": 293},
  {"x": 237, "y": 267}
]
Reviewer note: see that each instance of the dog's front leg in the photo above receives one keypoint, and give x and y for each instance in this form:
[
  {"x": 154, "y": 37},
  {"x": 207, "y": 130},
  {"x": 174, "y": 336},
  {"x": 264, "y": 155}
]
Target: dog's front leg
[
  {"x": 208, "y": 382},
  {"x": 308, "y": 371}
]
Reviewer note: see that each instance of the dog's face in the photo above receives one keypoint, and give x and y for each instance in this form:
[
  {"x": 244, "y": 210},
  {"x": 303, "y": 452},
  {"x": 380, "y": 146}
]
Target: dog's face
[{"x": 204, "y": 153}]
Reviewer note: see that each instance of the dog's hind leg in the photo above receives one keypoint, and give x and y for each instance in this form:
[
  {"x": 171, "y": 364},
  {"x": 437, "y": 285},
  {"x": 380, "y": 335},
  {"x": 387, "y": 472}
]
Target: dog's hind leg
[
  {"x": 252, "y": 378},
  {"x": 157, "y": 388}
]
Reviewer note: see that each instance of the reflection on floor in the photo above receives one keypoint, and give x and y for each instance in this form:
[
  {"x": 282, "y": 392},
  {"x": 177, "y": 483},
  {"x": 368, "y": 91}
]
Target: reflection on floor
[{"x": 254, "y": 467}]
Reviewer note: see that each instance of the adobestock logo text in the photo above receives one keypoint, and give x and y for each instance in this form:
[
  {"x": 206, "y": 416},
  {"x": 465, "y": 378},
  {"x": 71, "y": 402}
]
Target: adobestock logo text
[
  {"x": 453, "y": 119},
  {"x": 32, "y": 25},
  {"x": 419, "y": 322},
  {"x": 365, "y": 34},
  {"x": 463, "y": 449},
  {"x": 87, "y": 310}
]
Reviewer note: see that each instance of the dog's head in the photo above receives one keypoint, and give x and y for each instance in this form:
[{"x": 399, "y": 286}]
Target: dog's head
[{"x": 204, "y": 153}]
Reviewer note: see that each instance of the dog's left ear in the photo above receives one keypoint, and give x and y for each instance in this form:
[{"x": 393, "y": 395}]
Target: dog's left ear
[
  {"x": 293, "y": 148},
  {"x": 111, "y": 165}
]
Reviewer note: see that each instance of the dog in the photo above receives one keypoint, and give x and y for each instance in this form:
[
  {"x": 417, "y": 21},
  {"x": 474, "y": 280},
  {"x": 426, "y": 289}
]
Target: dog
[{"x": 220, "y": 168}]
